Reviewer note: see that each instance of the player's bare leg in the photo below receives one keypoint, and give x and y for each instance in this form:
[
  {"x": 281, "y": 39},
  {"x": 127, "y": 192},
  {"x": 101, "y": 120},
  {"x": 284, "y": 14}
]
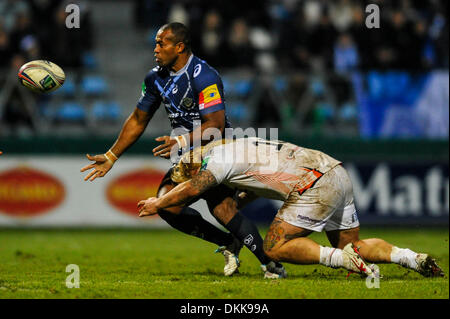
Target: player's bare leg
[
  {"x": 226, "y": 212},
  {"x": 289, "y": 243},
  {"x": 374, "y": 250},
  {"x": 285, "y": 242},
  {"x": 377, "y": 250}
]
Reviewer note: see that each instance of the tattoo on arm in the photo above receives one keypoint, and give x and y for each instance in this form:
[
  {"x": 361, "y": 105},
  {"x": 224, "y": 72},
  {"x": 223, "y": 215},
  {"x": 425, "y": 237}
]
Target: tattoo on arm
[{"x": 203, "y": 181}]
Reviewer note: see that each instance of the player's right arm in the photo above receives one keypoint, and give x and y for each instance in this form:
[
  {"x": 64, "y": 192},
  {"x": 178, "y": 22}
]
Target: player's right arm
[{"x": 132, "y": 129}]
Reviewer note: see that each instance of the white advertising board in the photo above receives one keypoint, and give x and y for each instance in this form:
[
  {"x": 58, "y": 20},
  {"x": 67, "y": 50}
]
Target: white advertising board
[{"x": 50, "y": 191}]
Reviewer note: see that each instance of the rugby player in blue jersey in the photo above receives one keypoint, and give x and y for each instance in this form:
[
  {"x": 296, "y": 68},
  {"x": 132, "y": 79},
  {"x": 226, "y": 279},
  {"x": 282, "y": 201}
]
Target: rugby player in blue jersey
[{"x": 190, "y": 90}]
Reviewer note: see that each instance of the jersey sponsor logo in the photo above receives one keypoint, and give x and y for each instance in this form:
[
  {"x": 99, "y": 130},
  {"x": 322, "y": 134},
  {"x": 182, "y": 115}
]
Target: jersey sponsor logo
[
  {"x": 197, "y": 70},
  {"x": 310, "y": 220},
  {"x": 183, "y": 114},
  {"x": 27, "y": 192},
  {"x": 144, "y": 89},
  {"x": 248, "y": 240},
  {"x": 209, "y": 97}
]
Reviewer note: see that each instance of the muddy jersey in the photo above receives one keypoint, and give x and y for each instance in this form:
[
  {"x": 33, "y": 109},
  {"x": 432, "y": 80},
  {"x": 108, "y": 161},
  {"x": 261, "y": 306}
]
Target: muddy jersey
[
  {"x": 270, "y": 169},
  {"x": 187, "y": 95}
]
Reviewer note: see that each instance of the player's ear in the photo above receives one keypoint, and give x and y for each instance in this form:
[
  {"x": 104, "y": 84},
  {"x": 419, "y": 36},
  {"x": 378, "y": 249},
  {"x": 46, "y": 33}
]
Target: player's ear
[{"x": 180, "y": 47}]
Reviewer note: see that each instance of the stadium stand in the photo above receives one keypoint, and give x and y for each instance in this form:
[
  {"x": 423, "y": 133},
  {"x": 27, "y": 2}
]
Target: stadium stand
[{"x": 289, "y": 64}]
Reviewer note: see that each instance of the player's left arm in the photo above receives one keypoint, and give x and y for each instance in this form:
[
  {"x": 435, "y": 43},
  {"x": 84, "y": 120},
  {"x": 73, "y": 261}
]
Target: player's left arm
[
  {"x": 182, "y": 193},
  {"x": 214, "y": 120},
  {"x": 212, "y": 111}
]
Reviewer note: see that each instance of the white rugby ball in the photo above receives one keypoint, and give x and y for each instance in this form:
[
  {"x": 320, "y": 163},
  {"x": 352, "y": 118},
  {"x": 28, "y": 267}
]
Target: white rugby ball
[{"x": 41, "y": 76}]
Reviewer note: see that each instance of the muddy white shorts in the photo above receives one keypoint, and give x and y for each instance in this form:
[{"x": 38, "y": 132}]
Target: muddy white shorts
[{"x": 327, "y": 205}]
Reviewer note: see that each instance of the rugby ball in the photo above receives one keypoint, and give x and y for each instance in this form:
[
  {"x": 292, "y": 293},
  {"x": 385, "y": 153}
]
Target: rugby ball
[{"x": 41, "y": 76}]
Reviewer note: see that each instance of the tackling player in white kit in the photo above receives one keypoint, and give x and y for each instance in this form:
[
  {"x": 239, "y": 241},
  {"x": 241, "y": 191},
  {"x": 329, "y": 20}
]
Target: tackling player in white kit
[{"x": 317, "y": 194}]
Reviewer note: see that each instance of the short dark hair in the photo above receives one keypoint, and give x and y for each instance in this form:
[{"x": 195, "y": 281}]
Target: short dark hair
[{"x": 180, "y": 32}]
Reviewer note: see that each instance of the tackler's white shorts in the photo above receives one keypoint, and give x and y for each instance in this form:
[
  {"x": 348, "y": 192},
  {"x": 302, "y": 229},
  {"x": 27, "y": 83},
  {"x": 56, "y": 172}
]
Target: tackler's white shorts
[{"x": 327, "y": 205}]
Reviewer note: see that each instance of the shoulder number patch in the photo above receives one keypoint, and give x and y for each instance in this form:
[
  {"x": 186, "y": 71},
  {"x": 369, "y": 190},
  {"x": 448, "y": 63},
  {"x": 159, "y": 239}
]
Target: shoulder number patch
[{"x": 209, "y": 96}]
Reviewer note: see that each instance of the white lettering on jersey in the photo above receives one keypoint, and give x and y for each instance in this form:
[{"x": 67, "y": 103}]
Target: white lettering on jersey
[{"x": 197, "y": 70}]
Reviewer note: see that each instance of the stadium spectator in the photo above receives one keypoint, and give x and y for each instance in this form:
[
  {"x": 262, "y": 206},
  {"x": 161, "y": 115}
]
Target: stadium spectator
[
  {"x": 150, "y": 13},
  {"x": 66, "y": 38},
  {"x": 412, "y": 33},
  {"x": 341, "y": 14},
  {"x": 239, "y": 52},
  {"x": 346, "y": 57},
  {"x": 5, "y": 49},
  {"x": 178, "y": 13},
  {"x": 212, "y": 39},
  {"x": 9, "y": 10},
  {"x": 42, "y": 13},
  {"x": 307, "y": 34},
  {"x": 17, "y": 104},
  {"x": 322, "y": 37},
  {"x": 23, "y": 27}
]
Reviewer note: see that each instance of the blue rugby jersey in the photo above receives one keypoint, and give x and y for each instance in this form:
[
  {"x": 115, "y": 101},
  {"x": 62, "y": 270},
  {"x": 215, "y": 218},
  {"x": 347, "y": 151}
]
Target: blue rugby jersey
[{"x": 193, "y": 91}]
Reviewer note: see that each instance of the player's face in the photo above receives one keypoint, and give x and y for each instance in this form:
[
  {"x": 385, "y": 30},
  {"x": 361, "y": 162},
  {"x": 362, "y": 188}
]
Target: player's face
[{"x": 166, "y": 51}]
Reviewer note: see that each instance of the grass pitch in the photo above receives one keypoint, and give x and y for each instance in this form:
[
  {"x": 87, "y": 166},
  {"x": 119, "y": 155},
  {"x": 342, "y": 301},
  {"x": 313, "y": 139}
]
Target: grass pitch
[{"x": 170, "y": 265}]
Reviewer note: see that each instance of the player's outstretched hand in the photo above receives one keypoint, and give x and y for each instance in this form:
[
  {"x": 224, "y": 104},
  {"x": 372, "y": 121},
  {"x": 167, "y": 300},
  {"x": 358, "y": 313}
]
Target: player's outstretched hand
[
  {"x": 148, "y": 207},
  {"x": 164, "y": 149},
  {"x": 101, "y": 166}
]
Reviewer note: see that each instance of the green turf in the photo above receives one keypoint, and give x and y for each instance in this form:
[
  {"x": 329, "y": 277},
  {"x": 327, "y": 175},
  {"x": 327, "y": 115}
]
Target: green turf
[{"x": 168, "y": 264}]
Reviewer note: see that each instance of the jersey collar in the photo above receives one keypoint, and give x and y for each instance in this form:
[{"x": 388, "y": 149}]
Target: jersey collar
[{"x": 180, "y": 71}]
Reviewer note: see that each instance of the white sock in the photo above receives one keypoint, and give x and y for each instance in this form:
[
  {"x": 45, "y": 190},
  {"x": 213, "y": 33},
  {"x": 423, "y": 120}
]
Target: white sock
[
  {"x": 331, "y": 257},
  {"x": 404, "y": 256}
]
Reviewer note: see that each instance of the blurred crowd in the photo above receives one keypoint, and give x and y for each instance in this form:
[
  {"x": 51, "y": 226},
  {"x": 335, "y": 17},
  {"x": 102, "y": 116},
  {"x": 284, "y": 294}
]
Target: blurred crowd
[
  {"x": 32, "y": 30},
  {"x": 309, "y": 34},
  {"x": 312, "y": 43},
  {"x": 36, "y": 29}
]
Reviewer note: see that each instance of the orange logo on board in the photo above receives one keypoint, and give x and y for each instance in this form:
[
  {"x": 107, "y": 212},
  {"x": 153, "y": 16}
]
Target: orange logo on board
[
  {"x": 26, "y": 192},
  {"x": 127, "y": 190}
]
